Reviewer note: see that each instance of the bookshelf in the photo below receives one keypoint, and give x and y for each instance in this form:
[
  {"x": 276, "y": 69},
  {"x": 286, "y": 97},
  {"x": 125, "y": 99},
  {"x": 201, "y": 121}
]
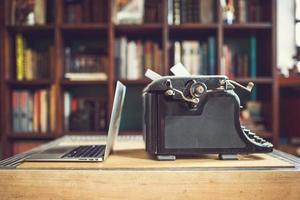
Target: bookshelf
[{"x": 159, "y": 31}]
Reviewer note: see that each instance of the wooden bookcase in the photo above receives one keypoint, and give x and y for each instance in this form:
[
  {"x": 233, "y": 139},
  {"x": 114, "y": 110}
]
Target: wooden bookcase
[{"x": 160, "y": 32}]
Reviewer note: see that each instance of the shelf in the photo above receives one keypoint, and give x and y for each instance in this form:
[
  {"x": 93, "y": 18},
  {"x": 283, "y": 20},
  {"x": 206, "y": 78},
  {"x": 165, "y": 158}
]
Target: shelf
[
  {"x": 84, "y": 31},
  {"x": 135, "y": 82},
  {"x": 138, "y": 29},
  {"x": 137, "y": 132},
  {"x": 87, "y": 27},
  {"x": 29, "y": 83},
  {"x": 66, "y": 82},
  {"x": 31, "y": 29},
  {"x": 258, "y": 80},
  {"x": 255, "y": 26},
  {"x": 85, "y": 132},
  {"x": 36, "y": 30},
  {"x": 154, "y": 26},
  {"x": 193, "y": 26},
  {"x": 290, "y": 81},
  {"x": 31, "y": 136}
]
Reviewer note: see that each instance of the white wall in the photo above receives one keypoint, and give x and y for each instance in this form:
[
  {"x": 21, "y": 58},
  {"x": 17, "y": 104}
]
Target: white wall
[{"x": 285, "y": 34}]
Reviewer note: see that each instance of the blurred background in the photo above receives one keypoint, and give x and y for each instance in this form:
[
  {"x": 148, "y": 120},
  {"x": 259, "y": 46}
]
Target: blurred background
[{"x": 60, "y": 60}]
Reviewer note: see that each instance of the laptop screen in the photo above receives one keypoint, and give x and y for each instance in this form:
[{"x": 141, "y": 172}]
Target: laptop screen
[{"x": 115, "y": 118}]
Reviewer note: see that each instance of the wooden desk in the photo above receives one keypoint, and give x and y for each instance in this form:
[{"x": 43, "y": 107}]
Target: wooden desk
[{"x": 129, "y": 173}]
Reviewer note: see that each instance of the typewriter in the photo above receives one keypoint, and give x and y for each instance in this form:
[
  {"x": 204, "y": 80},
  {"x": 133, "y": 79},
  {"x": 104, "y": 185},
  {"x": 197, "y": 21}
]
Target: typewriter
[{"x": 193, "y": 115}]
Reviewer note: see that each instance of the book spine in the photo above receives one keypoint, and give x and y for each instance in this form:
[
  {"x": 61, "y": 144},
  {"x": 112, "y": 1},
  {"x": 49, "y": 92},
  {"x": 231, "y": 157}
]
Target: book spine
[
  {"x": 176, "y": 7},
  {"x": 242, "y": 11},
  {"x": 40, "y": 12},
  {"x": 15, "y": 109},
  {"x": 253, "y": 57},
  {"x": 52, "y": 108},
  {"x": 211, "y": 55},
  {"x": 30, "y": 112},
  {"x": 67, "y": 110},
  {"x": 20, "y": 57},
  {"x": 170, "y": 12}
]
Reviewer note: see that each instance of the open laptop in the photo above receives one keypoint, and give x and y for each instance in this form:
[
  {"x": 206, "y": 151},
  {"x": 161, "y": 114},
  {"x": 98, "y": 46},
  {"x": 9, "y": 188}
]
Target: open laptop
[{"x": 88, "y": 152}]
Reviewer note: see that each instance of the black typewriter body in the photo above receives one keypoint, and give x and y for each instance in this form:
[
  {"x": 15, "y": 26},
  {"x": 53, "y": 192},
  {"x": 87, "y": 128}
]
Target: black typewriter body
[{"x": 196, "y": 115}]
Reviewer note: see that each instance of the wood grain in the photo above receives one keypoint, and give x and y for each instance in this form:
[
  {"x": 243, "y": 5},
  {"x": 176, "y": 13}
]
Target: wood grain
[{"x": 98, "y": 184}]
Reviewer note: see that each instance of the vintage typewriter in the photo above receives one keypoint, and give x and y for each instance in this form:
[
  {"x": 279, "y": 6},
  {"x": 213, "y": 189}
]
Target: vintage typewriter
[{"x": 193, "y": 115}]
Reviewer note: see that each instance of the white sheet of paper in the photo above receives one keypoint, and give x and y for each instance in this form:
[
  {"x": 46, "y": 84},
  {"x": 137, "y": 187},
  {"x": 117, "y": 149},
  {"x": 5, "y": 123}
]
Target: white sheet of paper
[
  {"x": 152, "y": 75},
  {"x": 179, "y": 70}
]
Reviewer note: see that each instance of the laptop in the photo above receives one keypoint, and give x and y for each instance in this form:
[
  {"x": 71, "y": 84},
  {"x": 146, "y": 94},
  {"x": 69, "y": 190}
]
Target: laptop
[{"x": 88, "y": 153}]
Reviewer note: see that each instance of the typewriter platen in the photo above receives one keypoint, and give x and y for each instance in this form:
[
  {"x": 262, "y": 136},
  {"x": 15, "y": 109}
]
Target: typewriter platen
[{"x": 194, "y": 115}]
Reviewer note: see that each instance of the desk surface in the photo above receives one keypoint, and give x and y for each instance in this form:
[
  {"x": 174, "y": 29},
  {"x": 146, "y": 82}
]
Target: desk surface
[{"x": 129, "y": 173}]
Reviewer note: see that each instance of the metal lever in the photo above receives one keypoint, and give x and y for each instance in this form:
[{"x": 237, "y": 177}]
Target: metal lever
[
  {"x": 171, "y": 92},
  {"x": 248, "y": 88}
]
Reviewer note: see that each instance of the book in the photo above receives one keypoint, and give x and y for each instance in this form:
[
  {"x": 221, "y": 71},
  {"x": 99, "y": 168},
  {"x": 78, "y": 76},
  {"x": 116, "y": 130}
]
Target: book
[
  {"x": 253, "y": 57},
  {"x": 40, "y": 12},
  {"x": 32, "y": 63},
  {"x": 206, "y": 11},
  {"x": 195, "y": 55},
  {"x": 190, "y": 11},
  {"x": 87, "y": 11},
  {"x": 170, "y": 12},
  {"x": 20, "y": 46},
  {"x": 134, "y": 57},
  {"x": 85, "y": 62},
  {"x": 211, "y": 55},
  {"x": 176, "y": 12},
  {"x": 152, "y": 11},
  {"x": 30, "y": 111}
]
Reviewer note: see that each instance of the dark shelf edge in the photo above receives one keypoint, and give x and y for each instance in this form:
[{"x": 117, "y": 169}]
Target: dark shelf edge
[
  {"x": 29, "y": 83},
  {"x": 194, "y": 26},
  {"x": 66, "y": 82},
  {"x": 31, "y": 136},
  {"x": 258, "y": 25},
  {"x": 135, "y": 82},
  {"x": 133, "y": 132},
  {"x": 84, "y": 133},
  {"x": 29, "y": 28},
  {"x": 290, "y": 81},
  {"x": 138, "y": 26},
  {"x": 88, "y": 26},
  {"x": 261, "y": 80}
]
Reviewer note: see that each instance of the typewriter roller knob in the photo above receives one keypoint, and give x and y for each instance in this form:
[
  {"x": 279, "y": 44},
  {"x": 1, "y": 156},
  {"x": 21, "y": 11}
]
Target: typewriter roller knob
[{"x": 197, "y": 89}]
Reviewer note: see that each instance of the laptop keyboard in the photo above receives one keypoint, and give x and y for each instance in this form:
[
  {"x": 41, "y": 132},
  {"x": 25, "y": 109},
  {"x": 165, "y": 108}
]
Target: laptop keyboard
[{"x": 90, "y": 151}]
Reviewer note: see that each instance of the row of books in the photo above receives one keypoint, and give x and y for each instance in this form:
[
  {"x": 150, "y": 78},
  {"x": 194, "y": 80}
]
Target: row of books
[
  {"x": 238, "y": 63},
  {"x": 85, "y": 65},
  {"x": 84, "y": 113},
  {"x": 241, "y": 11},
  {"x": 33, "y": 111},
  {"x": 85, "y": 11},
  {"x": 32, "y": 63},
  {"x": 199, "y": 57},
  {"x": 191, "y": 11},
  {"x": 28, "y": 12},
  {"x": 153, "y": 11},
  {"x": 134, "y": 57}
]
